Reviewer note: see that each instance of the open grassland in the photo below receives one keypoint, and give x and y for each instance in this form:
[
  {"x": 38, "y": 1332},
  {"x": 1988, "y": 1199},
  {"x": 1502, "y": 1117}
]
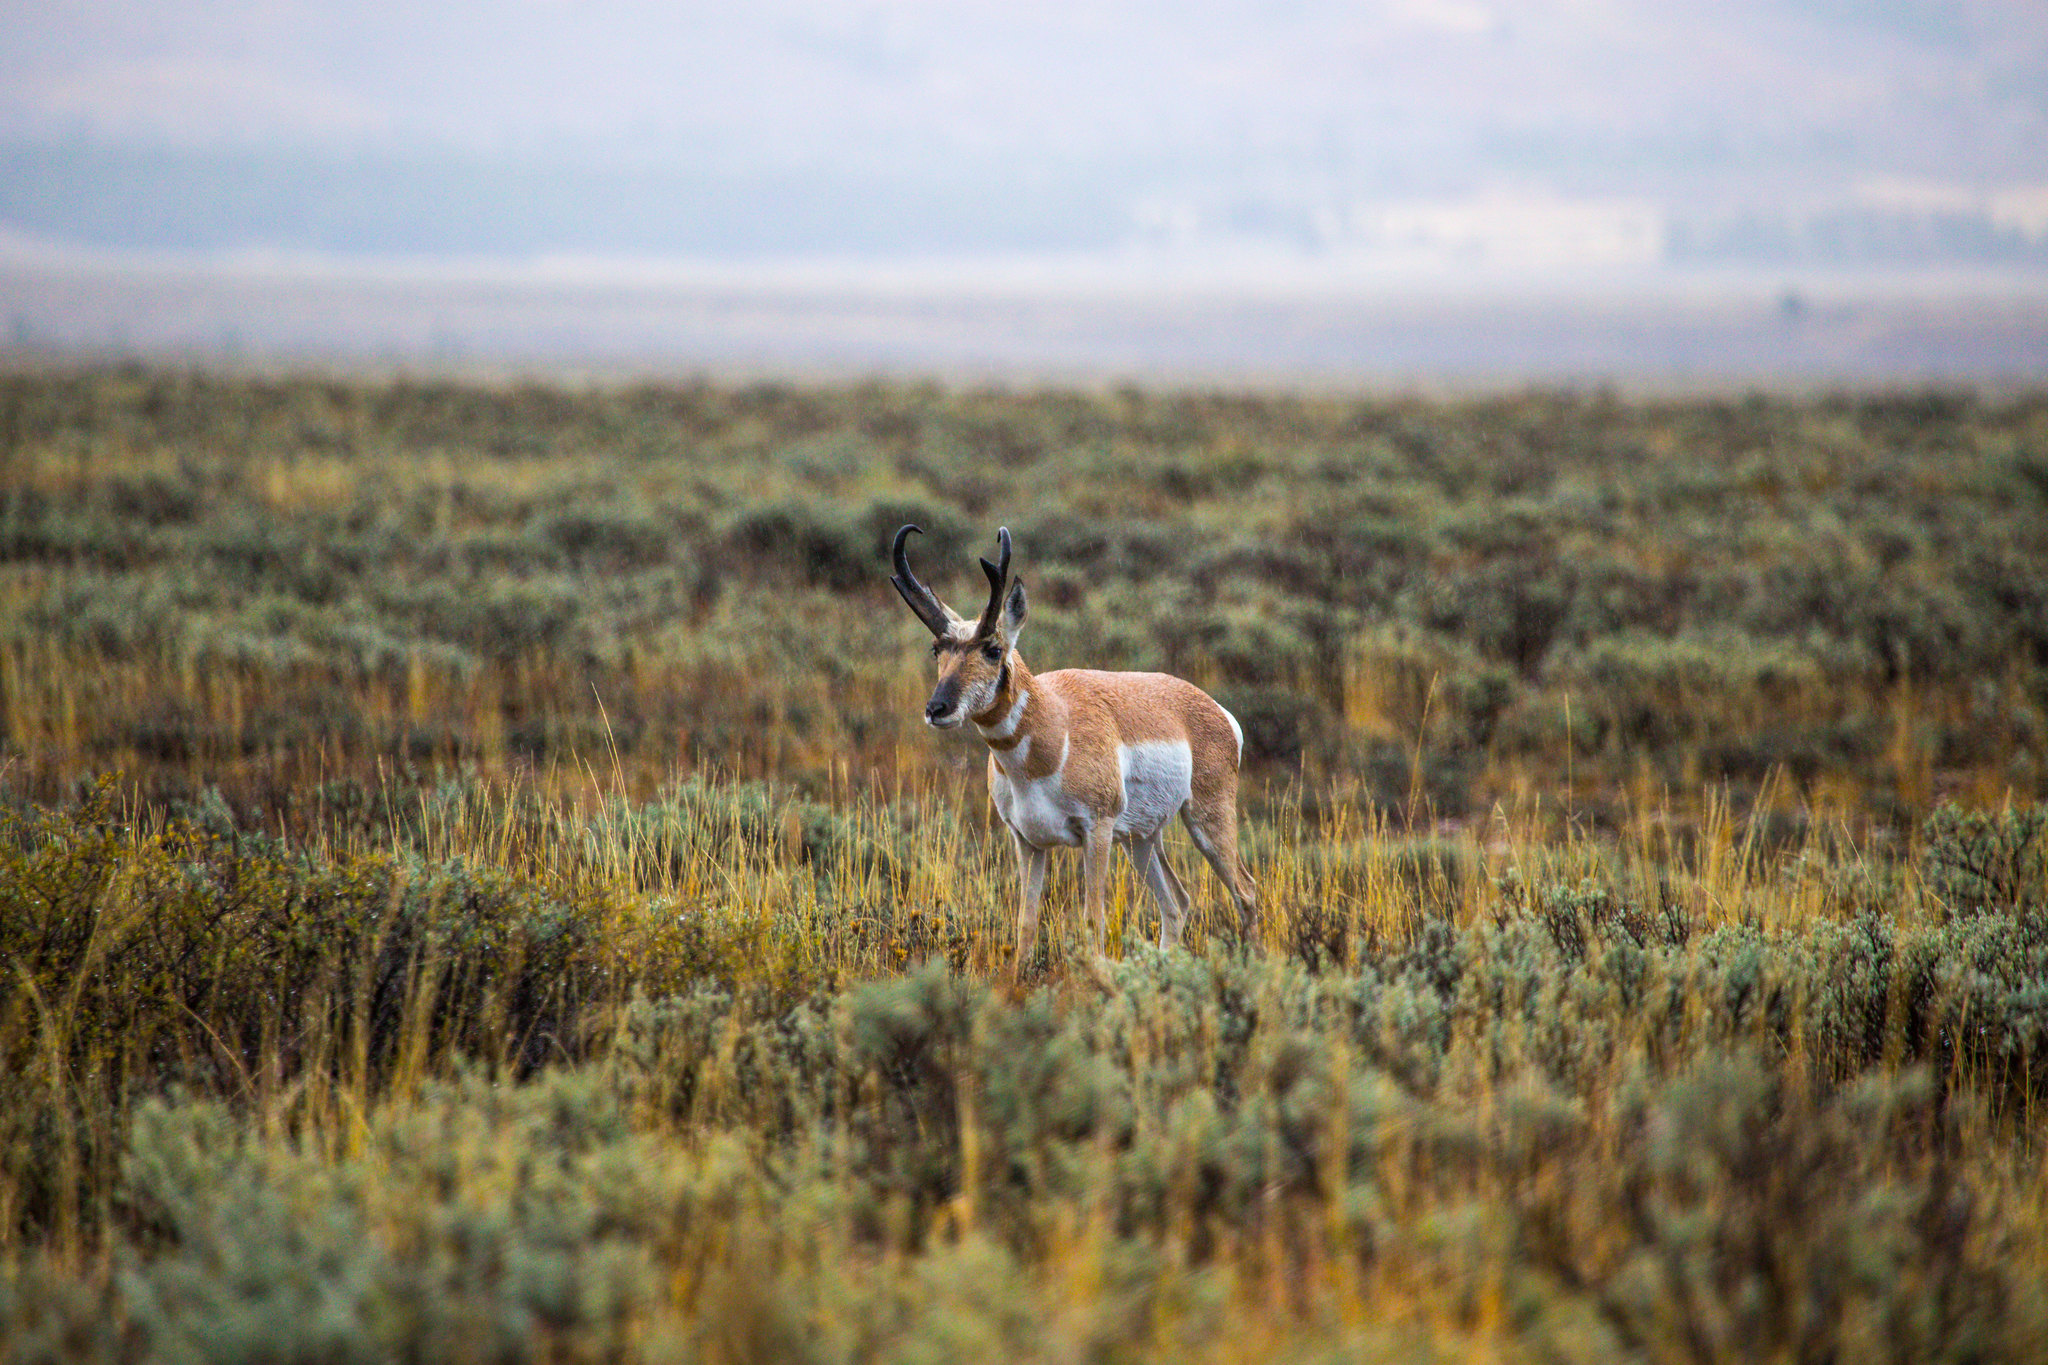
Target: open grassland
[
  {"x": 473, "y": 884},
  {"x": 1425, "y": 605}
]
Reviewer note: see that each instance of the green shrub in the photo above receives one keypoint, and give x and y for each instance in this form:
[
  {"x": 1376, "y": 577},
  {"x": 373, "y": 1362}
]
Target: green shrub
[
  {"x": 1651, "y": 693},
  {"x": 1979, "y": 862},
  {"x": 820, "y": 546},
  {"x": 485, "y": 1223},
  {"x": 608, "y": 538},
  {"x": 1280, "y": 724}
]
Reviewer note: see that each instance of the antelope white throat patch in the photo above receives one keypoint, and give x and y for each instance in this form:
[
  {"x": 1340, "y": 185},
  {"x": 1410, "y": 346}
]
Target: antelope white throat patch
[{"x": 1007, "y": 726}]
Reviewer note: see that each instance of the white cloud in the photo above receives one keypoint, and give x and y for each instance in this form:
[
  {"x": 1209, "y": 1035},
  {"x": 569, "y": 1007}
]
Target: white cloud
[
  {"x": 1467, "y": 18},
  {"x": 1510, "y": 230},
  {"x": 196, "y": 99}
]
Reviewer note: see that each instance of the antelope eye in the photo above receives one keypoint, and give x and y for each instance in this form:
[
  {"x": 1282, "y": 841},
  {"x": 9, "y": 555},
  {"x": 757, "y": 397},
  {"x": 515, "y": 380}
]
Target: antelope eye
[
  {"x": 938, "y": 648},
  {"x": 992, "y": 652}
]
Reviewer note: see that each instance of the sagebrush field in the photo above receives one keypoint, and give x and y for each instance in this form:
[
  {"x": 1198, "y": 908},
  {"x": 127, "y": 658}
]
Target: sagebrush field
[{"x": 475, "y": 885}]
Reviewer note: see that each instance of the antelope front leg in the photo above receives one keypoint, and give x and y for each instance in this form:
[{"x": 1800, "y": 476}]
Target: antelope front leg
[
  {"x": 1095, "y": 874},
  {"x": 1030, "y": 890}
]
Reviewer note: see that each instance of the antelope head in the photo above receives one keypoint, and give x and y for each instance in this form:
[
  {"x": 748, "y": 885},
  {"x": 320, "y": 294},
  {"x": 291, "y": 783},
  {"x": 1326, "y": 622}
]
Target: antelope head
[{"x": 973, "y": 657}]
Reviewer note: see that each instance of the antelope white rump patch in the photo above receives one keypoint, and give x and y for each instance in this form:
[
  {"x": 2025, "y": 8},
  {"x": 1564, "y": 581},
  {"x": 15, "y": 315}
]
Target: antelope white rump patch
[{"x": 1235, "y": 729}]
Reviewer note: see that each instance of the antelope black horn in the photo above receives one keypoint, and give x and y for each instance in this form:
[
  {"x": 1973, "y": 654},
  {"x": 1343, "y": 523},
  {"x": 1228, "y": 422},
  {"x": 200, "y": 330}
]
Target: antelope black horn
[
  {"x": 998, "y": 575},
  {"x": 917, "y": 595}
]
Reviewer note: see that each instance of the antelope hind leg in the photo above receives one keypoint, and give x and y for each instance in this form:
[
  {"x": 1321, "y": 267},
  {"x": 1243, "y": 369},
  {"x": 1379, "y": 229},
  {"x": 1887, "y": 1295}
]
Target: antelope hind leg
[
  {"x": 1149, "y": 858},
  {"x": 1216, "y": 837}
]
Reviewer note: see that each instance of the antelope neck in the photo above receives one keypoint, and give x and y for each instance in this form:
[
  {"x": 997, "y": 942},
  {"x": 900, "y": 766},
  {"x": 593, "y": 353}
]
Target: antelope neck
[{"x": 1014, "y": 698}]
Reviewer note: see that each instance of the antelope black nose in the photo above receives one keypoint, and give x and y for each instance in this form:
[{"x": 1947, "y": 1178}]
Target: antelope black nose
[{"x": 933, "y": 710}]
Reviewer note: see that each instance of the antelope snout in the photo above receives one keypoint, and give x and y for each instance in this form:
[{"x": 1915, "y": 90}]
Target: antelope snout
[{"x": 940, "y": 711}]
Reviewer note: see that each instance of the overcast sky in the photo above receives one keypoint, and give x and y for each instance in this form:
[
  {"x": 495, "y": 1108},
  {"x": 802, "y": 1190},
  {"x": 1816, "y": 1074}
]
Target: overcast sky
[{"x": 1218, "y": 115}]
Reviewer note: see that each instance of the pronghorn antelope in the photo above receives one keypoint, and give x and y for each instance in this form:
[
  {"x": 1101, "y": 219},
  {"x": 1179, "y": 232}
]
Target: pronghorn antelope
[{"x": 1085, "y": 758}]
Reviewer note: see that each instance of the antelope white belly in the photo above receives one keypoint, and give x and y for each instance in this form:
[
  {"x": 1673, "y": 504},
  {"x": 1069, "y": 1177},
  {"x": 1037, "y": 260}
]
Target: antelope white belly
[
  {"x": 1157, "y": 776},
  {"x": 1041, "y": 811}
]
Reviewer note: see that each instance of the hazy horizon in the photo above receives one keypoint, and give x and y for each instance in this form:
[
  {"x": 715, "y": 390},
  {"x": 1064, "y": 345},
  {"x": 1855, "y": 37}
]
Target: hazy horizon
[{"x": 1314, "y": 150}]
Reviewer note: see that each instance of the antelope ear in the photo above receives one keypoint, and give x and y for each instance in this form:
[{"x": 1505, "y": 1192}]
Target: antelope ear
[{"x": 1013, "y": 613}]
